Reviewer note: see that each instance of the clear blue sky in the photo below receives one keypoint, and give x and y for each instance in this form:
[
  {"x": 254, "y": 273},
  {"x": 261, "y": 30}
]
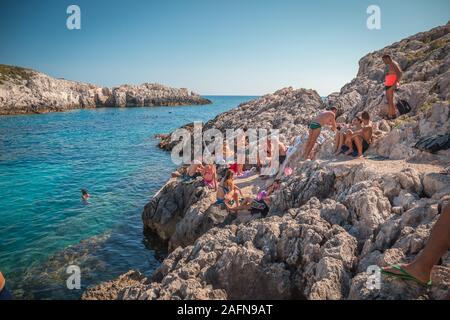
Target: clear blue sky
[{"x": 237, "y": 47}]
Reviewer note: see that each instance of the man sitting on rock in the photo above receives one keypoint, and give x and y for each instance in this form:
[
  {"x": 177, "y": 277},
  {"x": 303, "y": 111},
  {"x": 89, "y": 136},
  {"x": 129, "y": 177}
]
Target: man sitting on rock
[
  {"x": 438, "y": 244},
  {"x": 325, "y": 118},
  {"x": 345, "y": 133},
  {"x": 362, "y": 138}
]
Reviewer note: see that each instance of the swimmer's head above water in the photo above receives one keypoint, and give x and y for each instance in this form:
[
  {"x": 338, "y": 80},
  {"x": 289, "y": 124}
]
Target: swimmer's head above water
[{"x": 84, "y": 194}]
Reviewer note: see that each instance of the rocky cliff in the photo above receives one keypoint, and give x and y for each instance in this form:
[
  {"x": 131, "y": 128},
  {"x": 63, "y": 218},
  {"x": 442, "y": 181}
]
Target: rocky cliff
[
  {"x": 25, "y": 91},
  {"x": 333, "y": 217},
  {"x": 287, "y": 110}
]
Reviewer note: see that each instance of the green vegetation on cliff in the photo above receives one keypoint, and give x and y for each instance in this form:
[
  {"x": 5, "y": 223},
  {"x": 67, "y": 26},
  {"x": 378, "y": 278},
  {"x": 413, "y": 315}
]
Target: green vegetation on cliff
[{"x": 13, "y": 73}]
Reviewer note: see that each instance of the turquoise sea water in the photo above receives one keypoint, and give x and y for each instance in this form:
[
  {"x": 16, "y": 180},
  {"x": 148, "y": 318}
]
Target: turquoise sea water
[{"x": 44, "y": 162}]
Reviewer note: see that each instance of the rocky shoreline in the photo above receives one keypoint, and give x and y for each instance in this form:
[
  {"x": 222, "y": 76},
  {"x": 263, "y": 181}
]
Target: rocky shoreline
[
  {"x": 25, "y": 91},
  {"x": 333, "y": 217}
]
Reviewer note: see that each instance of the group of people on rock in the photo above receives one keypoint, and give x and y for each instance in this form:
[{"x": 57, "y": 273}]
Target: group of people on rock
[
  {"x": 352, "y": 139},
  {"x": 358, "y": 134},
  {"x": 228, "y": 193}
]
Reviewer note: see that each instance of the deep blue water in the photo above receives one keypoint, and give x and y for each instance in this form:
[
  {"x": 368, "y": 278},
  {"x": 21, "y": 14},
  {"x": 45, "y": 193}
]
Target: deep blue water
[{"x": 44, "y": 162}]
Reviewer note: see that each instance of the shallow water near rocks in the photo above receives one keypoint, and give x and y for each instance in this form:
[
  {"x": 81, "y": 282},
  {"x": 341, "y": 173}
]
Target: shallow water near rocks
[{"x": 44, "y": 162}]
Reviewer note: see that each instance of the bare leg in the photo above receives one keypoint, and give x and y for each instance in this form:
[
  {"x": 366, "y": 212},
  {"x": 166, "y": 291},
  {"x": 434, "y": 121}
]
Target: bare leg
[
  {"x": 390, "y": 99},
  {"x": 246, "y": 205},
  {"x": 337, "y": 138},
  {"x": 436, "y": 247},
  {"x": 339, "y": 141},
  {"x": 312, "y": 138},
  {"x": 358, "y": 142},
  {"x": 349, "y": 144}
]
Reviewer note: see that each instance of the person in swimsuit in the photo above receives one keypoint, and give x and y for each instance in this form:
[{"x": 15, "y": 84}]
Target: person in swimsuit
[
  {"x": 345, "y": 131},
  {"x": 353, "y": 131},
  {"x": 209, "y": 175},
  {"x": 227, "y": 192},
  {"x": 85, "y": 195},
  {"x": 327, "y": 117},
  {"x": 362, "y": 139},
  {"x": 282, "y": 152},
  {"x": 241, "y": 143},
  {"x": 392, "y": 79}
]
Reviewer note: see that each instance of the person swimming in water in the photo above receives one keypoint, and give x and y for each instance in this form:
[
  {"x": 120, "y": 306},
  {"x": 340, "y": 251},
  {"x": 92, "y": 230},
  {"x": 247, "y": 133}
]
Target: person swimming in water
[
  {"x": 393, "y": 75},
  {"x": 85, "y": 195}
]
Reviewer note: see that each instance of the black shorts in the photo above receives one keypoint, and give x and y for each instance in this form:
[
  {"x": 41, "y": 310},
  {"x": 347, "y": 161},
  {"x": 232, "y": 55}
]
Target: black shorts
[
  {"x": 282, "y": 159},
  {"x": 365, "y": 146}
]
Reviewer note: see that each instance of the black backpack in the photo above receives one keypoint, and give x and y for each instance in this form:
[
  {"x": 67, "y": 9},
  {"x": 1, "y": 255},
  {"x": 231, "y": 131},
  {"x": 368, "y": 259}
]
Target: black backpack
[
  {"x": 434, "y": 144},
  {"x": 403, "y": 107}
]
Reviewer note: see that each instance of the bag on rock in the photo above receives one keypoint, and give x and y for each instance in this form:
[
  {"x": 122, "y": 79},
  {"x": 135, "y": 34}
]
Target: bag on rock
[
  {"x": 434, "y": 144},
  {"x": 403, "y": 107}
]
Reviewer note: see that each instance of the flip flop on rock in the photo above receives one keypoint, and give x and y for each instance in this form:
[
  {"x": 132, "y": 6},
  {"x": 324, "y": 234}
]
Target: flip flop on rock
[
  {"x": 404, "y": 275},
  {"x": 446, "y": 171}
]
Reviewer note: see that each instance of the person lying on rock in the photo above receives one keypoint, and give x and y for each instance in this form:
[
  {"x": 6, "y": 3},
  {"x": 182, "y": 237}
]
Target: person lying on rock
[
  {"x": 227, "y": 192},
  {"x": 344, "y": 134},
  {"x": 326, "y": 118},
  {"x": 260, "y": 205},
  {"x": 393, "y": 75},
  {"x": 438, "y": 244},
  {"x": 362, "y": 138}
]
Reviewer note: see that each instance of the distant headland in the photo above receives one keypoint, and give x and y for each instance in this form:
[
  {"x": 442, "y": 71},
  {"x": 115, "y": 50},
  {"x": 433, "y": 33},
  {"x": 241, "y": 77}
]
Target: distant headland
[{"x": 25, "y": 91}]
